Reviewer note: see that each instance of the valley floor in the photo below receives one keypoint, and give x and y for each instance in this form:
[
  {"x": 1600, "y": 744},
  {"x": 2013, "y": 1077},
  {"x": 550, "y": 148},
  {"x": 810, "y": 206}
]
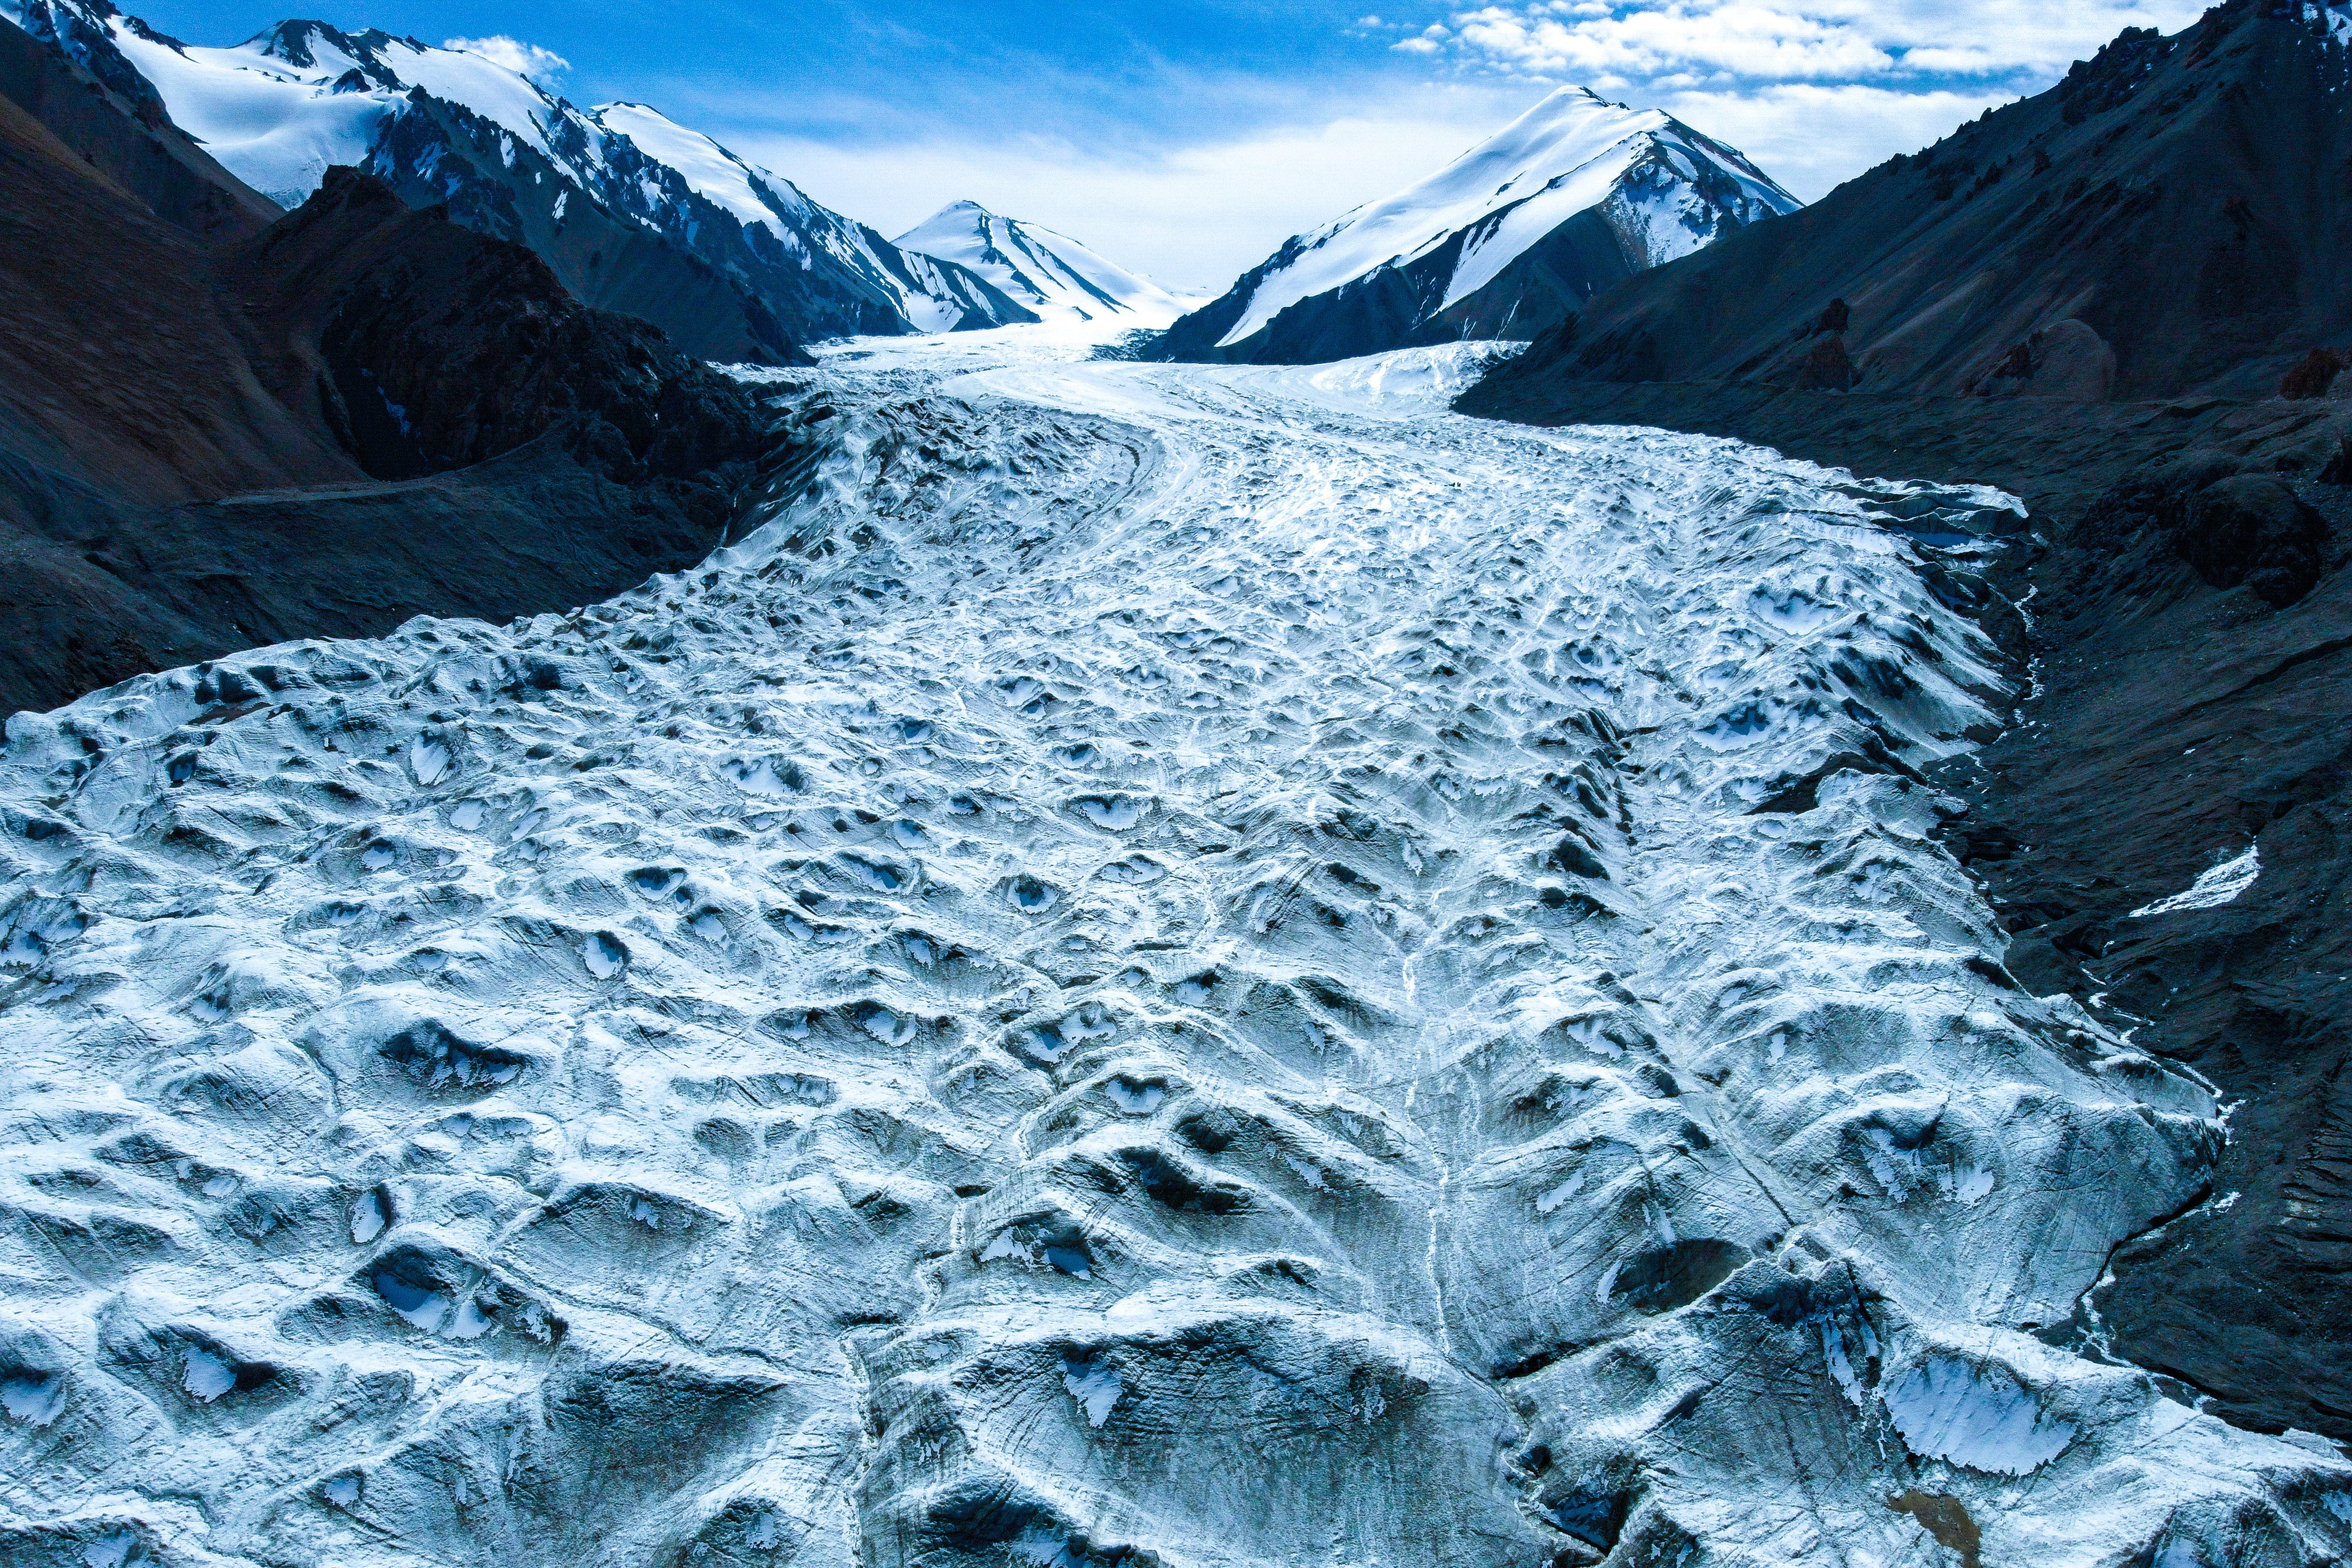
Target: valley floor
[{"x": 1171, "y": 964}]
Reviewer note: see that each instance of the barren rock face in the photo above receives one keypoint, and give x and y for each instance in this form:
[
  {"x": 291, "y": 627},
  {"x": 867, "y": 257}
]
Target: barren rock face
[{"x": 1206, "y": 967}]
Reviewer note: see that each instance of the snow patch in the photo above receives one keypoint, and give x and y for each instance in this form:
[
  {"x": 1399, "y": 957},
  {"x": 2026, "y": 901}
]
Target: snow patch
[
  {"x": 2216, "y": 887},
  {"x": 428, "y": 759},
  {"x": 111, "y": 1550},
  {"x": 207, "y": 1377},
  {"x": 35, "y": 1397},
  {"x": 1135, "y": 1099},
  {"x": 1095, "y": 1384},
  {"x": 1950, "y": 1408}
]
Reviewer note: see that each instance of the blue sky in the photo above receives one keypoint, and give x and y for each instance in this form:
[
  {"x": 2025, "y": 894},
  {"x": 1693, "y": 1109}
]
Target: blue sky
[{"x": 1187, "y": 138}]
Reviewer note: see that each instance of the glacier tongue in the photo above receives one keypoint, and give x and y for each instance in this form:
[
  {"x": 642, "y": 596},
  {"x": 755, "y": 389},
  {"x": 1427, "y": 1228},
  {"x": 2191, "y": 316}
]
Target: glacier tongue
[{"x": 1171, "y": 964}]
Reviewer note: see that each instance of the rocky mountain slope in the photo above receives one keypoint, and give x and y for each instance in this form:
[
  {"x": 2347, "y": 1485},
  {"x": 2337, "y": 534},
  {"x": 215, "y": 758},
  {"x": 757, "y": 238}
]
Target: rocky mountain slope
[
  {"x": 427, "y": 348},
  {"x": 1571, "y": 197},
  {"x": 2169, "y": 831},
  {"x": 633, "y": 211},
  {"x": 128, "y": 139},
  {"x": 215, "y": 434},
  {"x": 2171, "y": 217},
  {"x": 1050, "y": 274}
]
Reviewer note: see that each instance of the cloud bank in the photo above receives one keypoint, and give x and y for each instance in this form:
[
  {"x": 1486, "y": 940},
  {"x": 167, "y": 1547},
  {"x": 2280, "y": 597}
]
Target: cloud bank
[{"x": 1742, "y": 43}]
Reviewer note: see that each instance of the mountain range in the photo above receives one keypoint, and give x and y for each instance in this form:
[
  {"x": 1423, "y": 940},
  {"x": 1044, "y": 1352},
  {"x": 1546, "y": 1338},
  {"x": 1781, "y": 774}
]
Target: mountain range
[
  {"x": 632, "y": 211},
  {"x": 638, "y": 214}
]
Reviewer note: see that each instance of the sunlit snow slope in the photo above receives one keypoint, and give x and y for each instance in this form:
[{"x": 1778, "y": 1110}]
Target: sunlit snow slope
[
  {"x": 1170, "y": 965},
  {"x": 1573, "y": 195},
  {"x": 1052, "y": 273}
]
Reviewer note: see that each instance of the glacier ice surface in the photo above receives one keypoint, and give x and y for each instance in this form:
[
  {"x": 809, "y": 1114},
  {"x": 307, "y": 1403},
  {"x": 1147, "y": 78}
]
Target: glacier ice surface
[{"x": 1169, "y": 965}]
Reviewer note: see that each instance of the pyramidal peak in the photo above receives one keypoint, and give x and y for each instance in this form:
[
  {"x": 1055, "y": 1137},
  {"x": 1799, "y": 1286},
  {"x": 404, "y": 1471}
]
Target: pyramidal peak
[
  {"x": 1572, "y": 196},
  {"x": 1057, "y": 276}
]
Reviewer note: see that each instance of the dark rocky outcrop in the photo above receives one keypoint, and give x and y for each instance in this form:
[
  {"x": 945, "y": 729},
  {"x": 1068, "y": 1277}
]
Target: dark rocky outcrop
[
  {"x": 2315, "y": 376},
  {"x": 2171, "y": 217},
  {"x": 2253, "y": 530},
  {"x": 2231, "y": 524},
  {"x": 436, "y": 347},
  {"x": 180, "y": 472}
]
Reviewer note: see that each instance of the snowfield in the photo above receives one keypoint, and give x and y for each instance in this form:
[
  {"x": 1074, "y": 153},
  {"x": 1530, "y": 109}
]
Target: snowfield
[{"x": 1169, "y": 965}]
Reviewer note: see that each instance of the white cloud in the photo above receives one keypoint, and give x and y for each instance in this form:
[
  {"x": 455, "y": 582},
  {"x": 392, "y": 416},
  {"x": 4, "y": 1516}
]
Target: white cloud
[
  {"x": 1739, "y": 39},
  {"x": 1754, "y": 41},
  {"x": 528, "y": 59},
  {"x": 1812, "y": 137},
  {"x": 1192, "y": 217}
]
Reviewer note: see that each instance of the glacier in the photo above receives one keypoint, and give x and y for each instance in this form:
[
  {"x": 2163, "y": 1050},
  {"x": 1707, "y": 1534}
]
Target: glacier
[{"x": 1169, "y": 965}]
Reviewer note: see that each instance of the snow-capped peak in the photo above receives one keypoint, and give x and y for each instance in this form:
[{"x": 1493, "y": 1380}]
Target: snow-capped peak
[
  {"x": 716, "y": 174},
  {"x": 1569, "y": 153},
  {"x": 281, "y": 107},
  {"x": 1052, "y": 273}
]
